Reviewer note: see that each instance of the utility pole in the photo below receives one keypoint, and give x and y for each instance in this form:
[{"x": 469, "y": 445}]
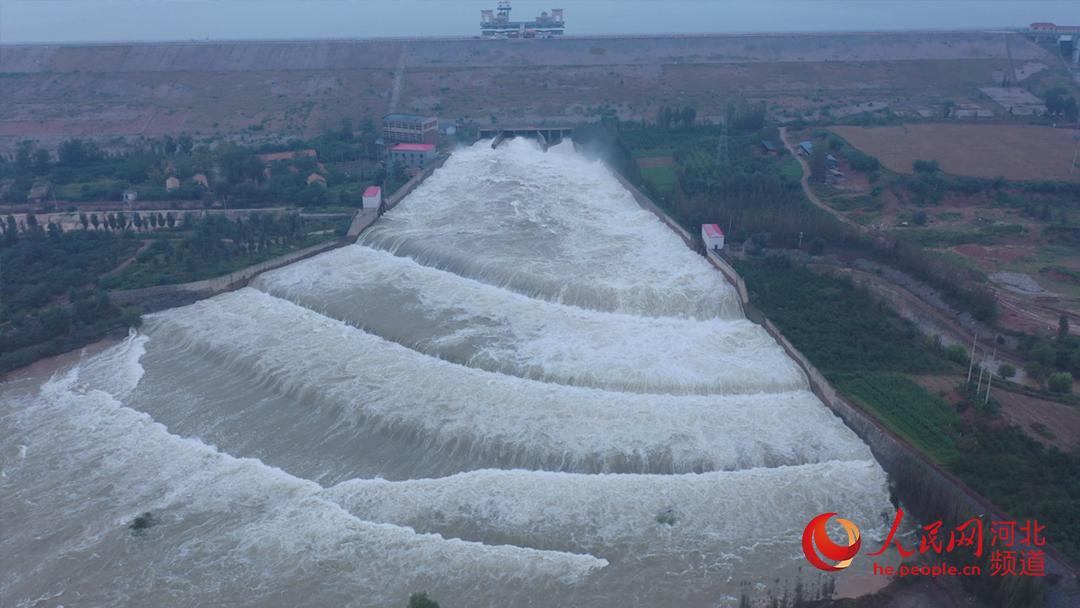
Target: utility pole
[
  {"x": 978, "y": 385},
  {"x": 971, "y": 362}
]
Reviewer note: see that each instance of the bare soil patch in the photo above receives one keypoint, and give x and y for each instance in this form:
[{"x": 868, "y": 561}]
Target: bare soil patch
[{"x": 1017, "y": 152}]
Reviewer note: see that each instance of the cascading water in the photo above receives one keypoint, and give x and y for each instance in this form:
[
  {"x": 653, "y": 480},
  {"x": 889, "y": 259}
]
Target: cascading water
[{"x": 518, "y": 388}]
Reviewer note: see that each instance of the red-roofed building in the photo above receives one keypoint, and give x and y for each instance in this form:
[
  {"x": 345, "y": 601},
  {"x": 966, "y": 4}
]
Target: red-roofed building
[
  {"x": 372, "y": 197},
  {"x": 1044, "y": 27},
  {"x": 413, "y": 156},
  {"x": 713, "y": 237}
]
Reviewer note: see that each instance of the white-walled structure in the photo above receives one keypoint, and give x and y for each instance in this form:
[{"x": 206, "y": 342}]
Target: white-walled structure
[
  {"x": 713, "y": 236},
  {"x": 372, "y": 197}
]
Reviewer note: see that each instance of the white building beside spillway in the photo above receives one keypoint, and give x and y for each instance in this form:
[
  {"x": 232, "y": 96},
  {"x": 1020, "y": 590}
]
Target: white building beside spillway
[{"x": 713, "y": 237}]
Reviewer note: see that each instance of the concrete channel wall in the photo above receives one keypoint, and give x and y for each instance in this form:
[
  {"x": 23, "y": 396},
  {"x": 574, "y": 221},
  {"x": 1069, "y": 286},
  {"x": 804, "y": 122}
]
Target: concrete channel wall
[
  {"x": 160, "y": 297},
  {"x": 930, "y": 492}
]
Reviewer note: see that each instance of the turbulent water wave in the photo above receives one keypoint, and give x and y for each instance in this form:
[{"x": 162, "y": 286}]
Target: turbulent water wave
[
  {"x": 469, "y": 322},
  {"x": 101, "y": 464},
  {"x": 555, "y": 227},
  {"x": 519, "y": 389},
  {"x": 494, "y": 417},
  {"x": 584, "y": 513}
]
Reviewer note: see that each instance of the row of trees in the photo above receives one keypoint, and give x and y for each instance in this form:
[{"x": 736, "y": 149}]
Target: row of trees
[
  {"x": 1060, "y": 103},
  {"x": 11, "y": 229}
]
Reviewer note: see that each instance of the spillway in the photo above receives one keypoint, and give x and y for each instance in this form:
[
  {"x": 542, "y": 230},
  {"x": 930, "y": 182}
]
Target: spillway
[{"x": 517, "y": 388}]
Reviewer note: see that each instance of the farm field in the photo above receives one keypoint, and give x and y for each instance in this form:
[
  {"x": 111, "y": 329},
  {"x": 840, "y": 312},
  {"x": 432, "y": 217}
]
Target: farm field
[
  {"x": 905, "y": 408},
  {"x": 1015, "y": 152}
]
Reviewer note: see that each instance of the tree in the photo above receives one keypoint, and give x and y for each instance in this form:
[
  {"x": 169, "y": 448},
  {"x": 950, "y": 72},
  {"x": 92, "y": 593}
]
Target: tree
[
  {"x": 85, "y": 221},
  {"x": 40, "y": 161},
  {"x": 1043, "y": 353},
  {"x": 94, "y": 220},
  {"x": 1006, "y": 371},
  {"x": 11, "y": 230},
  {"x": 76, "y": 153},
  {"x": 23, "y": 162},
  {"x": 1060, "y": 382},
  {"x": 185, "y": 144},
  {"x": 1063, "y": 326},
  {"x": 688, "y": 116},
  {"x": 170, "y": 219},
  {"x": 1037, "y": 372},
  {"x": 421, "y": 600},
  {"x": 1070, "y": 110},
  {"x": 925, "y": 166}
]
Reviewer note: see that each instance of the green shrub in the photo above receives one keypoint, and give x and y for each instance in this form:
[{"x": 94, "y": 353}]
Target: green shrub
[
  {"x": 1060, "y": 382},
  {"x": 957, "y": 354},
  {"x": 421, "y": 600}
]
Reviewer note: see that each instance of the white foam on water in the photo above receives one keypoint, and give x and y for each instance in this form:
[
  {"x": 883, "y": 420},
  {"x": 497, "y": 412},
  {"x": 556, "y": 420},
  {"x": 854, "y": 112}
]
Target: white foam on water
[
  {"x": 506, "y": 419},
  {"x": 227, "y": 529},
  {"x": 606, "y": 514},
  {"x": 469, "y": 322},
  {"x": 552, "y": 226},
  {"x": 535, "y": 318}
]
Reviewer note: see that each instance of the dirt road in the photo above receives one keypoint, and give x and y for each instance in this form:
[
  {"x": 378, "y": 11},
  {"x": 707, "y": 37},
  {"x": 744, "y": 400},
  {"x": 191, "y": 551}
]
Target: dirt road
[{"x": 807, "y": 188}]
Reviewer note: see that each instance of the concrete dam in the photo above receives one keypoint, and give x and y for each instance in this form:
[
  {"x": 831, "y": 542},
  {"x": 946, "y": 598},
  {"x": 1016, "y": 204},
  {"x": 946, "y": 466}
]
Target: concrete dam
[{"x": 517, "y": 388}]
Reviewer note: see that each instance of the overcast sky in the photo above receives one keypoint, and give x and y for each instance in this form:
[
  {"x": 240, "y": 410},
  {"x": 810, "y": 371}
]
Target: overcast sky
[{"x": 121, "y": 20}]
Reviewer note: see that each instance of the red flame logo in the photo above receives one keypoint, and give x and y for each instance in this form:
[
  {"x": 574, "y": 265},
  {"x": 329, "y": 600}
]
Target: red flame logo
[{"x": 816, "y": 535}]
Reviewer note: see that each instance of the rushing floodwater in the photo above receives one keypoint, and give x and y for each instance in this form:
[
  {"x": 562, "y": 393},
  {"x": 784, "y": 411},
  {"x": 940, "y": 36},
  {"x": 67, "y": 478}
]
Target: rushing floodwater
[{"x": 492, "y": 397}]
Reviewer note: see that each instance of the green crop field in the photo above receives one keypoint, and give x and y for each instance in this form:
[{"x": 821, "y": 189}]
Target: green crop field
[
  {"x": 905, "y": 408},
  {"x": 662, "y": 178}
]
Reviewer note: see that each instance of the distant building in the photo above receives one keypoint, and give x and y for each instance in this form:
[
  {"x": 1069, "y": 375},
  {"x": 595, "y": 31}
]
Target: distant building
[
  {"x": 768, "y": 146},
  {"x": 831, "y": 162},
  {"x": 130, "y": 196},
  {"x": 372, "y": 197},
  {"x": 413, "y": 156},
  {"x": 713, "y": 237},
  {"x": 316, "y": 179},
  {"x": 172, "y": 183},
  {"x": 273, "y": 157},
  {"x": 496, "y": 24},
  {"x": 410, "y": 129},
  {"x": 200, "y": 178},
  {"x": 1050, "y": 28},
  {"x": 806, "y": 148}
]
